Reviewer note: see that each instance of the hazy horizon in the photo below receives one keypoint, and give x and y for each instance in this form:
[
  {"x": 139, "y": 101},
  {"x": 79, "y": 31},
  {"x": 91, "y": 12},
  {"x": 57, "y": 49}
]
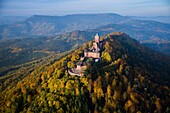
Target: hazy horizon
[
  {"x": 68, "y": 7},
  {"x": 25, "y": 16}
]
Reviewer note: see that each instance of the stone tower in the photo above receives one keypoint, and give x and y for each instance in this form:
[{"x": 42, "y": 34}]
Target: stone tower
[{"x": 97, "y": 38}]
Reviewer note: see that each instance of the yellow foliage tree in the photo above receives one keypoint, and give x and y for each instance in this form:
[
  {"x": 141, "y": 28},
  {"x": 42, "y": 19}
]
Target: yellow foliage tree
[
  {"x": 114, "y": 82},
  {"x": 116, "y": 95},
  {"x": 70, "y": 64},
  {"x": 109, "y": 91},
  {"x": 106, "y": 56},
  {"x": 75, "y": 57},
  {"x": 158, "y": 105},
  {"x": 128, "y": 104},
  {"x": 132, "y": 109},
  {"x": 133, "y": 96},
  {"x": 100, "y": 93},
  {"x": 93, "y": 98},
  {"x": 95, "y": 87},
  {"x": 106, "y": 46},
  {"x": 69, "y": 85},
  {"x": 60, "y": 110},
  {"x": 23, "y": 89},
  {"x": 121, "y": 69},
  {"x": 77, "y": 91},
  {"x": 105, "y": 110},
  {"x": 129, "y": 89},
  {"x": 29, "y": 98},
  {"x": 57, "y": 104}
]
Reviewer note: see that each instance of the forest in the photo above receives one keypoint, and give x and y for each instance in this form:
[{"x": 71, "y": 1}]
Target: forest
[{"x": 129, "y": 78}]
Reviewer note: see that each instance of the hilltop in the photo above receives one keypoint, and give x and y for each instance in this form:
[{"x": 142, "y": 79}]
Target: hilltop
[{"x": 129, "y": 78}]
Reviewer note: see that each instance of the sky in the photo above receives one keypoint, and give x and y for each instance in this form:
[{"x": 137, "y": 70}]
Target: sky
[{"x": 64, "y": 7}]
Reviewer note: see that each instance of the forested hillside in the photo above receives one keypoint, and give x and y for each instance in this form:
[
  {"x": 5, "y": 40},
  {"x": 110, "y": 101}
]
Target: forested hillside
[
  {"x": 128, "y": 78},
  {"x": 18, "y": 51}
]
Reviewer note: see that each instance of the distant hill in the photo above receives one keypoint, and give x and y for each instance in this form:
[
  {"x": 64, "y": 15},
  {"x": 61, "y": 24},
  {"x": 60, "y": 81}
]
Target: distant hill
[
  {"x": 40, "y": 26},
  {"x": 164, "y": 48},
  {"x": 140, "y": 30},
  {"x": 129, "y": 78},
  {"x": 11, "y": 19},
  {"x": 147, "y": 33},
  {"x": 163, "y": 19},
  {"x": 51, "y": 25}
]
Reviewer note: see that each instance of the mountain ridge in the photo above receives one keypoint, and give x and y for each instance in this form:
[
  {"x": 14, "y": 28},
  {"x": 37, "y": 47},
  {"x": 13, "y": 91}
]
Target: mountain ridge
[
  {"x": 40, "y": 26},
  {"x": 61, "y": 24},
  {"x": 163, "y": 19}
]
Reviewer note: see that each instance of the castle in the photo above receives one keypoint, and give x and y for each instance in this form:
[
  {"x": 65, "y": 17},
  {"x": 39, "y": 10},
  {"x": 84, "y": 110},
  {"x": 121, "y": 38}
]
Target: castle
[{"x": 93, "y": 52}]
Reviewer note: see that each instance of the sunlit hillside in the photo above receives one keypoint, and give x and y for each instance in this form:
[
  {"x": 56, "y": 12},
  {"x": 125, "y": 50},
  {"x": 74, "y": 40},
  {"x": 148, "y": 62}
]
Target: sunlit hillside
[{"x": 128, "y": 78}]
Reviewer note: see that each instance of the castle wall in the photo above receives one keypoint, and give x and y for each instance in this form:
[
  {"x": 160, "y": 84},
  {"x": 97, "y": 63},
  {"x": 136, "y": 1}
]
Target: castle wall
[{"x": 91, "y": 54}]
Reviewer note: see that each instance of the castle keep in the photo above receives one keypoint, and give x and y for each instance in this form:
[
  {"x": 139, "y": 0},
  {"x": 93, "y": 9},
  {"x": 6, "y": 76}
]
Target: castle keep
[{"x": 95, "y": 50}]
